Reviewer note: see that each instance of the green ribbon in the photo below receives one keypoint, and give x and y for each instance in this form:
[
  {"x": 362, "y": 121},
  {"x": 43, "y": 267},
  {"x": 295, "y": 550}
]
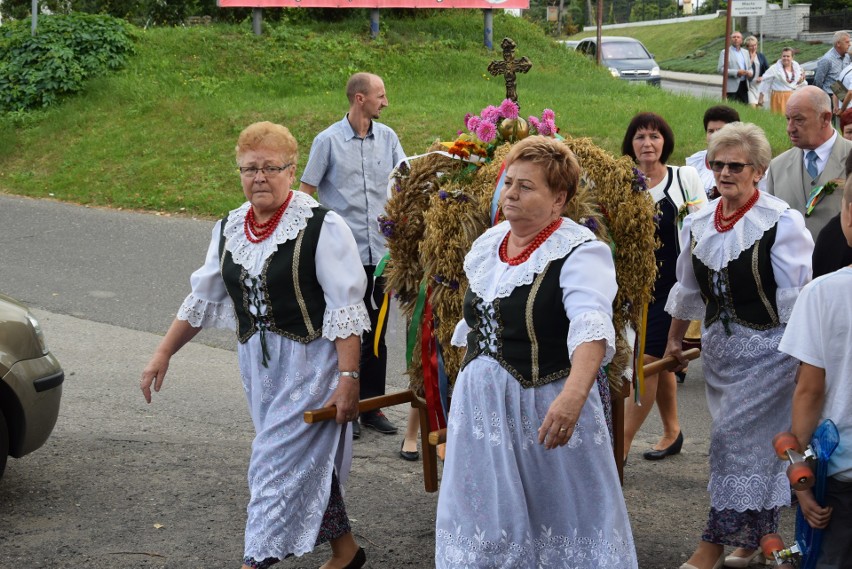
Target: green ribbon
[
  {"x": 380, "y": 268},
  {"x": 415, "y": 323}
]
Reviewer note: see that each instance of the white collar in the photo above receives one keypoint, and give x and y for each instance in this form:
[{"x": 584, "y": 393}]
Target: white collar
[
  {"x": 716, "y": 249},
  {"x": 483, "y": 266},
  {"x": 252, "y": 256}
]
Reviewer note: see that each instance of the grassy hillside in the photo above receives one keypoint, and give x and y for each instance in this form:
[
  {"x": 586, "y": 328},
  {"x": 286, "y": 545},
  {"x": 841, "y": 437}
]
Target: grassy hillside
[{"x": 160, "y": 134}]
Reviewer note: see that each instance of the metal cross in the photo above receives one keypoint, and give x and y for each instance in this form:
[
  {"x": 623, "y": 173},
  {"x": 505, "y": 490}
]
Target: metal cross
[{"x": 509, "y": 66}]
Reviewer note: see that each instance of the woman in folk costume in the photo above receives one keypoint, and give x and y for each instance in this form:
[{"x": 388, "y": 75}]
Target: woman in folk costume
[
  {"x": 530, "y": 479},
  {"x": 750, "y": 255},
  {"x": 780, "y": 80},
  {"x": 285, "y": 273}
]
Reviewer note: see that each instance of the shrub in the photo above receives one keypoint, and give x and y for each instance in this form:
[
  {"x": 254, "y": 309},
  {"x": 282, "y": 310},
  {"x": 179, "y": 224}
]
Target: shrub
[{"x": 35, "y": 71}]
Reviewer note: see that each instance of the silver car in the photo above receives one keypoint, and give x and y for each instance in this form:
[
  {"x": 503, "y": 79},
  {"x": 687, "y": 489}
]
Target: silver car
[{"x": 30, "y": 383}]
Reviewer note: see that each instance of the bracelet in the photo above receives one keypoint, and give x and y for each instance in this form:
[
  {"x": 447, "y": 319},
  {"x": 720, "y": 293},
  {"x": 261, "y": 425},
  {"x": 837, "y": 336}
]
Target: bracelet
[{"x": 353, "y": 374}]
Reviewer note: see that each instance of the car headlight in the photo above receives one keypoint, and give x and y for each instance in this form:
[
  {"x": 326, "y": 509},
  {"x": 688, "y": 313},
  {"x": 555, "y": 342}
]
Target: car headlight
[
  {"x": 614, "y": 72},
  {"x": 39, "y": 334},
  {"x": 655, "y": 72}
]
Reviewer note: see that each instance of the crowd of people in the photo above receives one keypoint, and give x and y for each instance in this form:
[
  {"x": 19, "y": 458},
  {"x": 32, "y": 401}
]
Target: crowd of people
[{"x": 529, "y": 478}]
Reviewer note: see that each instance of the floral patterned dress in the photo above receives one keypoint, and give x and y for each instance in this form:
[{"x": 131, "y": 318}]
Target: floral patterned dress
[
  {"x": 292, "y": 462},
  {"x": 505, "y": 501},
  {"x": 749, "y": 383}
]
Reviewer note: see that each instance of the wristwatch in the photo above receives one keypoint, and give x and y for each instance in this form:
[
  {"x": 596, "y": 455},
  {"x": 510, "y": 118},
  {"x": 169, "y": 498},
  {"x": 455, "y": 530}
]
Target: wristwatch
[{"x": 353, "y": 374}]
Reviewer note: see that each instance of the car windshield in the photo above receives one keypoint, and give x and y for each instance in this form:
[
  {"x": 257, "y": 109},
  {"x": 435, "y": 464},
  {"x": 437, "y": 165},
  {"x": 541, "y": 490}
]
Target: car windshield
[{"x": 624, "y": 50}]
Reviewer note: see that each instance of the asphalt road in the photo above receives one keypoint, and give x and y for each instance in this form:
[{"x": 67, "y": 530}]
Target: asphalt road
[{"x": 122, "y": 484}]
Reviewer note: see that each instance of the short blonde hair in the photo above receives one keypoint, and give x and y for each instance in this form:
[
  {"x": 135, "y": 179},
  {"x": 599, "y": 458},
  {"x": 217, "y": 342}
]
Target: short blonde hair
[
  {"x": 269, "y": 136},
  {"x": 746, "y": 137},
  {"x": 557, "y": 162},
  {"x": 750, "y": 40}
]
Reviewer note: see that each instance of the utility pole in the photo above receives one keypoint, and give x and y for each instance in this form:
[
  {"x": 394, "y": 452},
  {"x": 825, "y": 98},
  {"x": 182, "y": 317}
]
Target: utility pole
[{"x": 34, "y": 18}]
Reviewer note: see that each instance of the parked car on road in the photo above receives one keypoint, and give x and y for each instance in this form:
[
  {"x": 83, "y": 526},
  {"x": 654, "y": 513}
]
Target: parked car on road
[
  {"x": 809, "y": 68},
  {"x": 625, "y": 57},
  {"x": 569, "y": 44},
  {"x": 30, "y": 383}
]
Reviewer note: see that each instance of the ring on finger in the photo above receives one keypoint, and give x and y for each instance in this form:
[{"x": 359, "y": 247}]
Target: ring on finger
[{"x": 563, "y": 430}]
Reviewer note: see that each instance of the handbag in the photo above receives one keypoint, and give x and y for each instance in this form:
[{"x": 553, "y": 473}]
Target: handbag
[{"x": 838, "y": 88}]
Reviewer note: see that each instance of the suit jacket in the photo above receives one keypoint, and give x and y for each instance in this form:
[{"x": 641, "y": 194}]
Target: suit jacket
[
  {"x": 735, "y": 63},
  {"x": 764, "y": 65},
  {"x": 788, "y": 179}
]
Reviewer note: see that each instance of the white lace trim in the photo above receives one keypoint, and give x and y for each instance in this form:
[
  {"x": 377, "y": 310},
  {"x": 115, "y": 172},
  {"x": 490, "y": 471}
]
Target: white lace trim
[
  {"x": 484, "y": 256},
  {"x": 252, "y": 256},
  {"x": 588, "y": 327},
  {"x": 685, "y": 304},
  {"x": 785, "y": 298},
  {"x": 716, "y": 249},
  {"x": 202, "y": 313},
  {"x": 344, "y": 322}
]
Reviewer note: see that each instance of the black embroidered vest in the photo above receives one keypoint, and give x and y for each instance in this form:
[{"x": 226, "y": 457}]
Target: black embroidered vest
[
  {"x": 287, "y": 285},
  {"x": 531, "y": 329},
  {"x": 748, "y": 287}
]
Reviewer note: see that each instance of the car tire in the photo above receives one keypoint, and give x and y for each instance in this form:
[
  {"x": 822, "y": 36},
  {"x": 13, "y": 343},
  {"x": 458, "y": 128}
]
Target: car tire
[{"x": 4, "y": 444}]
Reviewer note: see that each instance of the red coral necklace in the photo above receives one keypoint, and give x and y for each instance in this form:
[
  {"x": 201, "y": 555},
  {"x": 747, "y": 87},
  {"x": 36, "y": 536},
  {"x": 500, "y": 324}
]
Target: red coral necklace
[
  {"x": 257, "y": 232},
  {"x": 725, "y": 223},
  {"x": 528, "y": 250}
]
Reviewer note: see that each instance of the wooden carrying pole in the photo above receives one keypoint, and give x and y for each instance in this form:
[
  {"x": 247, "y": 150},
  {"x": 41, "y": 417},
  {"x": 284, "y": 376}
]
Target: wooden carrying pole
[{"x": 430, "y": 440}]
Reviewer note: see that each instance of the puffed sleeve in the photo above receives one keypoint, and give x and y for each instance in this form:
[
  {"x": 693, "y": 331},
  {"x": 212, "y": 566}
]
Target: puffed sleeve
[
  {"x": 208, "y": 305},
  {"x": 343, "y": 281},
  {"x": 791, "y": 260},
  {"x": 459, "y": 338},
  {"x": 588, "y": 289},
  {"x": 684, "y": 300}
]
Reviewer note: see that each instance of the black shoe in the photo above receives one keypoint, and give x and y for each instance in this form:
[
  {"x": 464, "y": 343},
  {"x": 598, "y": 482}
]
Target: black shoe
[
  {"x": 356, "y": 430},
  {"x": 681, "y": 376},
  {"x": 674, "y": 448},
  {"x": 377, "y": 420},
  {"x": 357, "y": 561},
  {"x": 408, "y": 455}
]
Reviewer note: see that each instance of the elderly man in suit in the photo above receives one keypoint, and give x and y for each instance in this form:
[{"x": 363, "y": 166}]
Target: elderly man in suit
[
  {"x": 818, "y": 156},
  {"x": 739, "y": 69}
]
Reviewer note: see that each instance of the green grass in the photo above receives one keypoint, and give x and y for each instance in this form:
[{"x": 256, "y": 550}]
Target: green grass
[
  {"x": 160, "y": 134},
  {"x": 694, "y": 47}
]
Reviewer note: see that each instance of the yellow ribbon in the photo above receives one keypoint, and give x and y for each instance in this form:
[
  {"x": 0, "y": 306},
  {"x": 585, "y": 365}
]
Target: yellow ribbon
[
  {"x": 382, "y": 313},
  {"x": 640, "y": 357}
]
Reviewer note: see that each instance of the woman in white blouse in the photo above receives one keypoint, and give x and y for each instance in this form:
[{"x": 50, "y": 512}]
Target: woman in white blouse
[
  {"x": 285, "y": 273},
  {"x": 529, "y": 480},
  {"x": 780, "y": 80},
  {"x": 750, "y": 255}
]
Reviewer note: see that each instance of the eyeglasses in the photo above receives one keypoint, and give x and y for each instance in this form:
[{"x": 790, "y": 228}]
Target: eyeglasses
[
  {"x": 733, "y": 167},
  {"x": 268, "y": 171}
]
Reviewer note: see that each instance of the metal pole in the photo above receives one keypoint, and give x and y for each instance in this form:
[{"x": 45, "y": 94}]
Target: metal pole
[
  {"x": 488, "y": 13},
  {"x": 600, "y": 23},
  {"x": 35, "y": 17},
  {"x": 728, "y": 33},
  {"x": 256, "y": 20},
  {"x": 374, "y": 23}
]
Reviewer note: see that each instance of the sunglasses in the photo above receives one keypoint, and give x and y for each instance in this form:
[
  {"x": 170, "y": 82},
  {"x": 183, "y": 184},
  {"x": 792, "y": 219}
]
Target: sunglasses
[{"x": 733, "y": 167}]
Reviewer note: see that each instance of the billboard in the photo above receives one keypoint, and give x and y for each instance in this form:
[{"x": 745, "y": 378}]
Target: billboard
[{"x": 478, "y": 4}]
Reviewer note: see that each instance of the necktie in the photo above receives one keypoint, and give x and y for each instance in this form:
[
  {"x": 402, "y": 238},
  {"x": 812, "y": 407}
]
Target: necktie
[{"x": 811, "y": 160}]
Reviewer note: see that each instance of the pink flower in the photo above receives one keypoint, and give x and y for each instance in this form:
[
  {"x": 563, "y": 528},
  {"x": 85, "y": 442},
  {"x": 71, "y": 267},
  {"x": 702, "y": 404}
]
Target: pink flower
[
  {"x": 490, "y": 114},
  {"x": 548, "y": 114},
  {"x": 546, "y": 128},
  {"x": 472, "y": 123},
  {"x": 486, "y": 131},
  {"x": 534, "y": 123},
  {"x": 509, "y": 109}
]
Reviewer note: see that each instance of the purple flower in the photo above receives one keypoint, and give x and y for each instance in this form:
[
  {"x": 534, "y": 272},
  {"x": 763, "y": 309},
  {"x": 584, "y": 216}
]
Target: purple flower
[
  {"x": 472, "y": 123},
  {"x": 443, "y": 195},
  {"x": 486, "y": 131},
  {"x": 490, "y": 114},
  {"x": 454, "y": 285},
  {"x": 639, "y": 184},
  {"x": 386, "y": 226},
  {"x": 509, "y": 109},
  {"x": 591, "y": 223},
  {"x": 548, "y": 115},
  {"x": 546, "y": 128}
]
